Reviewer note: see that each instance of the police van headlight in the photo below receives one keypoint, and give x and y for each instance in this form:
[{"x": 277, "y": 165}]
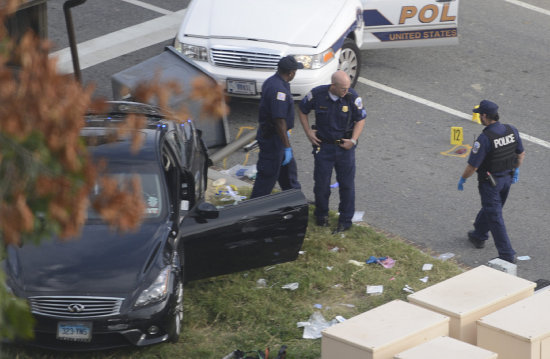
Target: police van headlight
[
  {"x": 313, "y": 62},
  {"x": 199, "y": 53}
]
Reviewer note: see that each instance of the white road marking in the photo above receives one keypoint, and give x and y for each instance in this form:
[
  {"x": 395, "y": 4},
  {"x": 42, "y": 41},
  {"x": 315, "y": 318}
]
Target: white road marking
[
  {"x": 149, "y": 6},
  {"x": 121, "y": 42},
  {"x": 439, "y": 107},
  {"x": 529, "y": 6}
]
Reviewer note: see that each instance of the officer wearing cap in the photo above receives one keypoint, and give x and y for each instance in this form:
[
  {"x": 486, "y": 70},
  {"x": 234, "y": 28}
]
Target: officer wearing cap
[
  {"x": 339, "y": 121},
  {"x": 496, "y": 156},
  {"x": 276, "y": 118}
]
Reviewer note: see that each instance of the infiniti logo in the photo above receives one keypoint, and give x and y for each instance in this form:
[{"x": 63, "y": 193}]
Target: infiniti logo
[{"x": 75, "y": 308}]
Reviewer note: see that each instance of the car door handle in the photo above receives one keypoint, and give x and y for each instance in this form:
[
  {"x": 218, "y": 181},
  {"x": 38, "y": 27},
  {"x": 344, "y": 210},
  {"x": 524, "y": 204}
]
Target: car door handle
[
  {"x": 245, "y": 220},
  {"x": 288, "y": 213}
]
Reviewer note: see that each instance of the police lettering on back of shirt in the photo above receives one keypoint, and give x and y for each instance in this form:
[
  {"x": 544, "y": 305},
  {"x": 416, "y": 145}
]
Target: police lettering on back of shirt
[{"x": 503, "y": 141}]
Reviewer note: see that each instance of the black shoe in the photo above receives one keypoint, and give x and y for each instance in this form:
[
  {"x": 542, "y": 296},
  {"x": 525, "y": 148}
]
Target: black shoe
[
  {"x": 341, "y": 228},
  {"x": 478, "y": 243},
  {"x": 511, "y": 260},
  {"x": 322, "y": 221}
]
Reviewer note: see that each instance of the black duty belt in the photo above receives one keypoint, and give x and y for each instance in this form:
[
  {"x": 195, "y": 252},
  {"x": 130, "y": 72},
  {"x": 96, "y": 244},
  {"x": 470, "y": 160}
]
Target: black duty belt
[
  {"x": 511, "y": 173},
  {"x": 327, "y": 141},
  {"x": 482, "y": 177}
]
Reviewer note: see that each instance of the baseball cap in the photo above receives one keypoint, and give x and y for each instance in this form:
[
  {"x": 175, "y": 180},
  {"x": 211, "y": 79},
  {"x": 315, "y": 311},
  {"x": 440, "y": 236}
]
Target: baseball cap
[
  {"x": 289, "y": 63},
  {"x": 487, "y": 107}
]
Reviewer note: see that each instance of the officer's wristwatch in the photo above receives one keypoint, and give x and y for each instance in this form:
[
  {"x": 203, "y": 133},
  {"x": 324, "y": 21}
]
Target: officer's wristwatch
[{"x": 353, "y": 141}]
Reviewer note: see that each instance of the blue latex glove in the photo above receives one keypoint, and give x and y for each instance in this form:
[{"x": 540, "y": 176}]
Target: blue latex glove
[
  {"x": 288, "y": 156},
  {"x": 461, "y": 183},
  {"x": 515, "y": 178},
  {"x": 288, "y": 134}
]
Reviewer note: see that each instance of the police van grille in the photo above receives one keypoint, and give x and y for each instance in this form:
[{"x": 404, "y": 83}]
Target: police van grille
[
  {"x": 244, "y": 59},
  {"x": 88, "y": 307}
]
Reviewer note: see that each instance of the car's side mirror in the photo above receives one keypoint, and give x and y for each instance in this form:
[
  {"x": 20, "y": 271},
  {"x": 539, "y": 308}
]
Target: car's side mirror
[{"x": 207, "y": 210}]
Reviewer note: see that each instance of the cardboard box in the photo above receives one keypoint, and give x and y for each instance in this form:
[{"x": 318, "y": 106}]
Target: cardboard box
[
  {"x": 382, "y": 332},
  {"x": 471, "y": 295},
  {"x": 521, "y": 330},
  {"x": 448, "y": 348}
]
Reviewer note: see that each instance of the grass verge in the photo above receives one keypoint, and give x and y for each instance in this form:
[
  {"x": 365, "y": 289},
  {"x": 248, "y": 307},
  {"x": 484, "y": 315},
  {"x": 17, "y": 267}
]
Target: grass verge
[{"x": 232, "y": 312}]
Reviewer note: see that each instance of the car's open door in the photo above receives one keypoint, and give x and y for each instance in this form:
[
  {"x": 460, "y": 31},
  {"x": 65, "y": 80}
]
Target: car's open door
[
  {"x": 398, "y": 23},
  {"x": 254, "y": 233}
]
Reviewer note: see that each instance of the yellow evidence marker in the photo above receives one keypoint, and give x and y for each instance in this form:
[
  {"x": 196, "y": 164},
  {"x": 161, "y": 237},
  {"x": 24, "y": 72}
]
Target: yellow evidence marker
[{"x": 457, "y": 136}]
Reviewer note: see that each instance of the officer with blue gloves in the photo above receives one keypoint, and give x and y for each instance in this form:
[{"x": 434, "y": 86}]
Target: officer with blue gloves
[
  {"x": 496, "y": 156},
  {"x": 276, "y": 118},
  {"x": 339, "y": 121}
]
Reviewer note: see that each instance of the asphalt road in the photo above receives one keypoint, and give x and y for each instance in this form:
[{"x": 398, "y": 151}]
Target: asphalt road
[{"x": 405, "y": 185}]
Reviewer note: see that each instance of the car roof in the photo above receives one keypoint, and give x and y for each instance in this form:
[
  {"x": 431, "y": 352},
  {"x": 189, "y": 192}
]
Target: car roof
[{"x": 102, "y": 140}]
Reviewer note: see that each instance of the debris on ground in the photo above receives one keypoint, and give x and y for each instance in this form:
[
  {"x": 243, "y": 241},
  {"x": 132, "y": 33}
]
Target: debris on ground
[
  {"x": 386, "y": 262},
  {"x": 445, "y": 256},
  {"x": 356, "y": 263},
  {"x": 315, "y": 325},
  {"x": 291, "y": 286},
  {"x": 375, "y": 289},
  {"x": 427, "y": 266}
]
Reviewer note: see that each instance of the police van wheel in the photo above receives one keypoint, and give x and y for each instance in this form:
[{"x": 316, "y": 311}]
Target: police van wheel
[{"x": 350, "y": 60}]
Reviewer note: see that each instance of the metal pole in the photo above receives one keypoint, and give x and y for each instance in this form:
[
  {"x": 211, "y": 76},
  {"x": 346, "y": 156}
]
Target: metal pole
[
  {"x": 70, "y": 31},
  {"x": 233, "y": 146}
]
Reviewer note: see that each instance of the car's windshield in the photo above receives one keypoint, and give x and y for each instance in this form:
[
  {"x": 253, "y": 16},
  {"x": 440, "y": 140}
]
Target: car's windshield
[{"x": 150, "y": 189}]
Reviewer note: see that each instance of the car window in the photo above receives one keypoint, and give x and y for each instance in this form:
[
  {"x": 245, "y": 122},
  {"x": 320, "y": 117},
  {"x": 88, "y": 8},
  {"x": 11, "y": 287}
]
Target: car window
[{"x": 150, "y": 189}]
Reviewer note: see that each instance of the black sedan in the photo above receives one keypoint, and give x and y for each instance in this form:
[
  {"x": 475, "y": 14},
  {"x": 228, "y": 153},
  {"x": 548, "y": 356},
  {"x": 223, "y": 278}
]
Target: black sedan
[{"x": 106, "y": 288}]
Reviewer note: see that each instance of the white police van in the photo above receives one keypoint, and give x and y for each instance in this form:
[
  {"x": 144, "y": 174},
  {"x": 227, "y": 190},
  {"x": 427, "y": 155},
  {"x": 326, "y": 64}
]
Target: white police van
[{"x": 239, "y": 42}]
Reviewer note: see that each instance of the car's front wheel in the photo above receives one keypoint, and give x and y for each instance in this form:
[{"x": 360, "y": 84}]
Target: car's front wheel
[
  {"x": 174, "y": 328},
  {"x": 350, "y": 60}
]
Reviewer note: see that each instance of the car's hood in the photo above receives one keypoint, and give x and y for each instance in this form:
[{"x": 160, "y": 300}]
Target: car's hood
[
  {"x": 282, "y": 21},
  {"x": 100, "y": 261}
]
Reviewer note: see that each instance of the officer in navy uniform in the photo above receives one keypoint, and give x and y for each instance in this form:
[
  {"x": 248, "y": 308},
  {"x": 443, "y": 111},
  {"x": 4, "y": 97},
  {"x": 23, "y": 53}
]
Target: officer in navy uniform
[
  {"x": 276, "y": 118},
  {"x": 339, "y": 121},
  {"x": 496, "y": 155}
]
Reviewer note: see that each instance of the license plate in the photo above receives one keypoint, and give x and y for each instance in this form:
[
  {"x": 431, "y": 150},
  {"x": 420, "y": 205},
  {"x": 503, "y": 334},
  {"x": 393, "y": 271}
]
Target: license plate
[
  {"x": 74, "y": 331},
  {"x": 241, "y": 87}
]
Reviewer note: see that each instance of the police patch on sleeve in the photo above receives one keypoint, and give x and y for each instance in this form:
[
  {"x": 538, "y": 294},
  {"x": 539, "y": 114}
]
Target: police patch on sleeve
[
  {"x": 476, "y": 147},
  {"x": 309, "y": 96},
  {"x": 359, "y": 103},
  {"x": 281, "y": 96}
]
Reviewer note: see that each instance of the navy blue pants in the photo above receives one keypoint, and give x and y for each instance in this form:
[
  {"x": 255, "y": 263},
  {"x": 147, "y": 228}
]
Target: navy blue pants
[
  {"x": 489, "y": 218},
  {"x": 343, "y": 161},
  {"x": 270, "y": 170}
]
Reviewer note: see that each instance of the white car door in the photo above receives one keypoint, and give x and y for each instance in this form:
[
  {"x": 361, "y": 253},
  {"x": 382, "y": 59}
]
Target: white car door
[{"x": 409, "y": 23}]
